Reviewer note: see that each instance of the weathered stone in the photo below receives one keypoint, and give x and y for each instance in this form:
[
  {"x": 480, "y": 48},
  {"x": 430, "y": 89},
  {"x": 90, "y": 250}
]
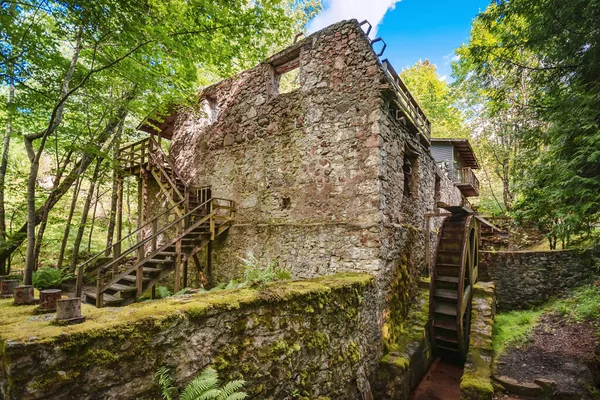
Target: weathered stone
[
  {"x": 48, "y": 299},
  {"x": 23, "y": 295},
  {"x": 68, "y": 311},
  {"x": 519, "y": 388},
  {"x": 476, "y": 382},
  {"x": 317, "y": 337},
  {"x": 8, "y": 286},
  {"x": 529, "y": 278}
]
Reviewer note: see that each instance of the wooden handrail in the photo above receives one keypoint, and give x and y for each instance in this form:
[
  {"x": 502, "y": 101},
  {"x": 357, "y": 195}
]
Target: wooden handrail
[
  {"x": 82, "y": 277},
  {"x": 101, "y": 288}
]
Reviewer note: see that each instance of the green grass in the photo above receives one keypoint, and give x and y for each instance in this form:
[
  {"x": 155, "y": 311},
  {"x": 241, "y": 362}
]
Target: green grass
[
  {"x": 514, "y": 328},
  {"x": 582, "y": 305}
]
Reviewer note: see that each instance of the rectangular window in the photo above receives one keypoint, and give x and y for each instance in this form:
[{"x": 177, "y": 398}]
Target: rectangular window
[{"x": 286, "y": 73}]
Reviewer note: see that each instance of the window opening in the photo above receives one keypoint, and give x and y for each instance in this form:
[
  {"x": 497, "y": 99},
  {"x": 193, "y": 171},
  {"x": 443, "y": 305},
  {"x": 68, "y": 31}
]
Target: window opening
[{"x": 286, "y": 76}]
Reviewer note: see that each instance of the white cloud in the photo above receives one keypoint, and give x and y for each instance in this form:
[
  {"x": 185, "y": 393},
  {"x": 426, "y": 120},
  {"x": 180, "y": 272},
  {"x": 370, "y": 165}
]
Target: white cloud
[
  {"x": 450, "y": 58},
  {"x": 338, "y": 10},
  {"x": 443, "y": 78}
]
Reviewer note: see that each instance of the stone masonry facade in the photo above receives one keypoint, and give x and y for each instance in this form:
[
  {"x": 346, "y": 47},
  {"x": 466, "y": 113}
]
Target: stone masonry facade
[{"x": 317, "y": 173}]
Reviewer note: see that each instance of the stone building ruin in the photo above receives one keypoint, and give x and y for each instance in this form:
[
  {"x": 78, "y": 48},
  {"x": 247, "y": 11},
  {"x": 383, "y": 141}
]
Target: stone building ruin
[
  {"x": 333, "y": 176},
  {"x": 319, "y": 160}
]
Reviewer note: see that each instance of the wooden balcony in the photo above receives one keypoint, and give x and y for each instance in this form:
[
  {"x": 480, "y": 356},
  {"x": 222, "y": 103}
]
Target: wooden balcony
[{"x": 466, "y": 182}]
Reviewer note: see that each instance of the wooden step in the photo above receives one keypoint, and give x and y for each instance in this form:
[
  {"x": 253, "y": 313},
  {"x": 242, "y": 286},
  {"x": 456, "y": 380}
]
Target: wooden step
[
  {"x": 446, "y": 348},
  {"x": 150, "y": 270},
  {"x": 447, "y": 294},
  {"x": 107, "y": 299},
  {"x": 133, "y": 278},
  {"x": 447, "y": 324},
  {"x": 122, "y": 288},
  {"x": 446, "y": 309},
  {"x": 449, "y": 279},
  {"x": 447, "y": 339},
  {"x": 158, "y": 261}
]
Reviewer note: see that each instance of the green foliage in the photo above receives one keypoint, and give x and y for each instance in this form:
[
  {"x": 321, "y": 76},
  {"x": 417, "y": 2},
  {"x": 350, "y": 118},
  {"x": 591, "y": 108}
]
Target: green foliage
[
  {"x": 205, "y": 386},
  {"x": 513, "y": 328},
  {"x": 165, "y": 382},
  {"x": 438, "y": 99},
  {"x": 256, "y": 272},
  {"x": 582, "y": 305},
  {"x": 162, "y": 292},
  {"x": 532, "y": 76},
  {"x": 50, "y": 278}
]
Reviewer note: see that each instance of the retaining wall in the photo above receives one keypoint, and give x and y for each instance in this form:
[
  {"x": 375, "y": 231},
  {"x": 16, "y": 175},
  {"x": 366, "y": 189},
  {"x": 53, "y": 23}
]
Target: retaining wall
[
  {"x": 319, "y": 339},
  {"x": 525, "y": 279}
]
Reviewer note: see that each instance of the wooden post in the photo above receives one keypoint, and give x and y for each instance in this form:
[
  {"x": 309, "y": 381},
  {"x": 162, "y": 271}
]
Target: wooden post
[
  {"x": 185, "y": 273},
  {"x": 154, "y": 240},
  {"x": 117, "y": 247},
  {"x": 99, "y": 295},
  {"x": 139, "y": 275},
  {"x": 153, "y": 292},
  {"x": 209, "y": 273}
]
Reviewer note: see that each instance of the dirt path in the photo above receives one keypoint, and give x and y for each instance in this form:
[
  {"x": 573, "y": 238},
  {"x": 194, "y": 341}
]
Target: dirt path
[
  {"x": 442, "y": 382},
  {"x": 560, "y": 352}
]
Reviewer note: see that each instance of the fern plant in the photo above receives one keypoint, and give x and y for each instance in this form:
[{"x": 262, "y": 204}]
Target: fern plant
[
  {"x": 50, "y": 278},
  {"x": 205, "y": 386}
]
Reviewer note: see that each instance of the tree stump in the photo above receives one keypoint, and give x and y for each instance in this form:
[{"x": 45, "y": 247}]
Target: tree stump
[
  {"x": 68, "y": 311},
  {"x": 23, "y": 295},
  {"x": 8, "y": 287},
  {"x": 48, "y": 299}
]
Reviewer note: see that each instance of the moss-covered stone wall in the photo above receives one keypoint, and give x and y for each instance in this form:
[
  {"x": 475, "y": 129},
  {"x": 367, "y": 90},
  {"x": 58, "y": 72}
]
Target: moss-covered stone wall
[
  {"x": 476, "y": 382},
  {"x": 314, "y": 339}
]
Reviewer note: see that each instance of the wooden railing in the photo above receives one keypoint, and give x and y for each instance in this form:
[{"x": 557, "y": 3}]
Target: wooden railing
[
  {"x": 134, "y": 154},
  {"x": 467, "y": 177},
  {"x": 220, "y": 210},
  {"x": 83, "y": 276},
  {"x": 408, "y": 105}
]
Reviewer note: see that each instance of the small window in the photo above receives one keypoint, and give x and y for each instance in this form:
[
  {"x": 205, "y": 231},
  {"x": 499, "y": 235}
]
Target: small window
[
  {"x": 410, "y": 168},
  {"x": 210, "y": 109},
  {"x": 286, "y": 76}
]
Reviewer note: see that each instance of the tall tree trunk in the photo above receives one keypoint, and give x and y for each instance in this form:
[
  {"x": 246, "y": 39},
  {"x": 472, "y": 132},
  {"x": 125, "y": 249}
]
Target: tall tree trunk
[
  {"x": 115, "y": 191},
  {"x": 34, "y": 157},
  {"x": 89, "y": 244},
  {"x": 45, "y": 211},
  {"x": 65, "y": 239},
  {"x": 86, "y": 211},
  {"x": 4, "y": 168},
  {"x": 84, "y": 162}
]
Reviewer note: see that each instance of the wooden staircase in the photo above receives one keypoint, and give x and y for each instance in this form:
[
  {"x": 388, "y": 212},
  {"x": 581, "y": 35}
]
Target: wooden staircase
[{"x": 165, "y": 243}]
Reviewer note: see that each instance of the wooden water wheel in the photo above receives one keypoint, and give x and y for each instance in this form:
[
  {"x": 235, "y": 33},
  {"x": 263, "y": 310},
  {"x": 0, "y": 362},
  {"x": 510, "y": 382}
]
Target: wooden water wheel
[{"x": 454, "y": 272}]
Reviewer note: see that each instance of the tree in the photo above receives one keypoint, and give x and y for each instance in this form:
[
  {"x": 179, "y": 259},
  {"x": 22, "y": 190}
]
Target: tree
[
  {"x": 533, "y": 65},
  {"x": 69, "y": 55},
  {"x": 437, "y": 98}
]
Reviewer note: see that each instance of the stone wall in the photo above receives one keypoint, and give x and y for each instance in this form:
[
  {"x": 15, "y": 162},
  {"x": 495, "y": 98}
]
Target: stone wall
[
  {"x": 525, "y": 279},
  {"x": 476, "y": 381},
  {"x": 302, "y": 166},
  {"x": 318, "y": 338},
  {"x": 317, "y": 172}
]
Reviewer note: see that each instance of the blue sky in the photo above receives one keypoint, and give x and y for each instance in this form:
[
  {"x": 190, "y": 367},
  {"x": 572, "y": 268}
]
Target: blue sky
[{"x": 413, "y": 29}]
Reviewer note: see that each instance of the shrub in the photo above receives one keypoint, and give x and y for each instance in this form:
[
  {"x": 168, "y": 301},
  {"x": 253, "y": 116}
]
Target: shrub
[{"x": 50, "y": 278}]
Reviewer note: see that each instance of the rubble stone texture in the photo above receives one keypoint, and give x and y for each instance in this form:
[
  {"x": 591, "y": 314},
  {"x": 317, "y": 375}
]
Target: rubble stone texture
[
  {"x": 525, "y": 279},
  {"x": 317, "y": 173},
  {"x": 476, "y": 382}
]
